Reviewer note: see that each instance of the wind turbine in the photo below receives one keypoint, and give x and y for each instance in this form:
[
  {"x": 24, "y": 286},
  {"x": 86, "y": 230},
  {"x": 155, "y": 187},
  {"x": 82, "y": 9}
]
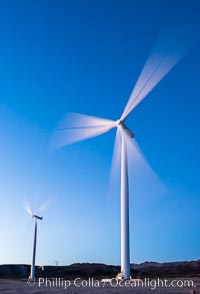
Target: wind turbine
[
  {"x": 36, "y": 218},
  {"x": 171, "y": 47}
]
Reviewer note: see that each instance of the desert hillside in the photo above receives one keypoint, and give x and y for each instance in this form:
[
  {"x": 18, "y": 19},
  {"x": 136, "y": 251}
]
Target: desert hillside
[{"x": 150, "y": 269}]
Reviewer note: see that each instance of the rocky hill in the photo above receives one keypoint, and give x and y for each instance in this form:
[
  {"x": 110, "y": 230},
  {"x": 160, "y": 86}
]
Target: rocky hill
[
  {"x": 96, "y": 270},
  {"x": 168, "y": 269}
]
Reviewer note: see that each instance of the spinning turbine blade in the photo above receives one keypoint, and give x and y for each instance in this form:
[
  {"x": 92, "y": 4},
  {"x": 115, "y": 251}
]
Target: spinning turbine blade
[
  {"x": 78, "y": 120},
  {"x": 144, "y": 181},
  {"x": 28, "y": 208},
  {"x": 77, "y": 127},
  {"x": 44, "y": 206},
  {"x": 168, "y": 51},
  {"x": 139, "y": 171},
  {"x": 115, "y": 166}
]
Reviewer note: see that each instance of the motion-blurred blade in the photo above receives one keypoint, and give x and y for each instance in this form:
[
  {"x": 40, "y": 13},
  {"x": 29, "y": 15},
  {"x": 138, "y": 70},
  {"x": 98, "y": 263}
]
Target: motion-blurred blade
[
  {"x": 170, "y": 48},
  {"x": 44, "y": 206},
  {"x": 144, "y": 185},
  {"x": 114, "y": 183},
  {"x": 28, "y": 208},
  {"x": 78, "y": 127},
  {"x": 78, "y": 120},
  {"x": 143, "y": 181}
]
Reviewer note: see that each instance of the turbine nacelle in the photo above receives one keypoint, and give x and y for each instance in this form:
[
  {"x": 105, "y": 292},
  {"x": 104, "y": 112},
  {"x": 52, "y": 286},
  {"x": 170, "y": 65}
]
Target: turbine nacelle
[
  {"x": 121, "y": 123},
  {"x": 37, "y": 217}
]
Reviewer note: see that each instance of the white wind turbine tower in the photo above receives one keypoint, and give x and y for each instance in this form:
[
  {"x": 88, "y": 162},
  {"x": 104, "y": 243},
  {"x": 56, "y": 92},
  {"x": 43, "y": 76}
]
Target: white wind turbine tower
[
  {"x": 36, "y": 218},
  {"x": 170, "y": 48}
]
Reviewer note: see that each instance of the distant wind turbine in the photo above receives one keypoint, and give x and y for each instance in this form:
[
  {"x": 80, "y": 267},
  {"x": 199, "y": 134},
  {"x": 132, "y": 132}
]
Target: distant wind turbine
[
  {"x": 168, "y": 51},
  {"x": 36, "y": 218}
]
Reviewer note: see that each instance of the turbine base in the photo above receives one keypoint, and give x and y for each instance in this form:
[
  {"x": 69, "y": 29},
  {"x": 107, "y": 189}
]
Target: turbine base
[{"x": 120, "y": 276}]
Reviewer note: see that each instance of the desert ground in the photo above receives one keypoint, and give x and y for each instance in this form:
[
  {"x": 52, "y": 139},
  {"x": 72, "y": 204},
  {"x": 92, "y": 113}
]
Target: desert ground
[{"x": 9, "y": 286}]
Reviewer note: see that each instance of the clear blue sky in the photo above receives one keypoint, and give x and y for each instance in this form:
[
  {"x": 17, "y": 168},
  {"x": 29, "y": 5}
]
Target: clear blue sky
[{"x": 85, "y": 56}]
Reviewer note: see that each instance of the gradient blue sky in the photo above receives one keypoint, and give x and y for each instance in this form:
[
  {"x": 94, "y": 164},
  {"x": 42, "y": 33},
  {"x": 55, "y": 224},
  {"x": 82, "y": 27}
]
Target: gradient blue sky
[{"x": 85, "y": 56}]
